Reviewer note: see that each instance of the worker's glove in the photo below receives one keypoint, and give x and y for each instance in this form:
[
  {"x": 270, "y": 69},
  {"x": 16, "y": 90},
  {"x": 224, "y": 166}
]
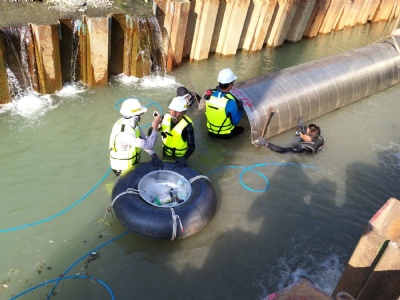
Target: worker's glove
[
  {"x": 181, "y": 162},
  {"x": 262, "y": 141},
  {"x": 156, "y": 162}
]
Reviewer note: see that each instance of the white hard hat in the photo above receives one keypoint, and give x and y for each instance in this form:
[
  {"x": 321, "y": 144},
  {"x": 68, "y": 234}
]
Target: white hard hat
[
  {"x": 178, "y": 104},
  {"x": 226, "y": 76},
  {"x": 132, "y": 107}
]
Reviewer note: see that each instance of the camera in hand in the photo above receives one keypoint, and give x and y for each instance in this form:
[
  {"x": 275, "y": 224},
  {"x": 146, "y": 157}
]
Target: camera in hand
[{"x": 302, "y": 129}]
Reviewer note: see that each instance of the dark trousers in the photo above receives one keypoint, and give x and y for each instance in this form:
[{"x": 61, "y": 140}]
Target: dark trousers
[{"x": 236, "y": 131}]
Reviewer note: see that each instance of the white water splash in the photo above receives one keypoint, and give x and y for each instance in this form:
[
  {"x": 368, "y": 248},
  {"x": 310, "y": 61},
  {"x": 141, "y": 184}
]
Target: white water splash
[
  {"x": 31, "y": 105},
  {"x": 323, "y": 273},
  {"x": 125, "y": 80},
  {"x": 147, "y": 82},
  {"x": 70, "y": 90}
]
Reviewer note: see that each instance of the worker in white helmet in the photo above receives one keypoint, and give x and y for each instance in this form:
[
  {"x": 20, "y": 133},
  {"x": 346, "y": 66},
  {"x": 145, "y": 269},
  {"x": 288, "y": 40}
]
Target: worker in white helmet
[
  {"x": 127, "y": 138},
  {"x": 177, "y": 132},
  {"x": 223, "y": 110}
]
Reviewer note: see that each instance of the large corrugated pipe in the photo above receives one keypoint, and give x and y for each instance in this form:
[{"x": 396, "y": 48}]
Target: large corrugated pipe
[{"x": 315, "y": 88}]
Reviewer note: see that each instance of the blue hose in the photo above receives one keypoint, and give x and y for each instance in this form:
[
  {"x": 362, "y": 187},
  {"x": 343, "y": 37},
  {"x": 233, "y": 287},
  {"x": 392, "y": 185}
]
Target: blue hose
[
  {"x": 59, "y": 213},
  {"x": 86, "y": 255},
  {"x": 250, "y": 168},
  {"x": 139, "y": 98},
  {"x": 64, "y": 278}
]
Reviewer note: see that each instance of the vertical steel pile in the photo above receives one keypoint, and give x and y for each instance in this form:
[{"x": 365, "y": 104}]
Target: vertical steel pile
[{"x": 44, "y": 57}]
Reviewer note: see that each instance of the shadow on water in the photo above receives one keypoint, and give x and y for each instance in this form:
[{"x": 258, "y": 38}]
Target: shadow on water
[{"x": 238, "y": 264}]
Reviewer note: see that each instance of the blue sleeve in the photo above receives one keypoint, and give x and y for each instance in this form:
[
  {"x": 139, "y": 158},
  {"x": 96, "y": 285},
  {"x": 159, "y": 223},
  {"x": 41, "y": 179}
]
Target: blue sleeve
[{"x": 232, "y": 109}]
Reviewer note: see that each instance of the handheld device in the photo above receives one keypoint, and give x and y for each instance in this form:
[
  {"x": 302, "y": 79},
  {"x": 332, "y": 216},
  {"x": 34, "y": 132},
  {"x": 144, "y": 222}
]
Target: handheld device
[
  {"x": 155, "y": 113},
  {"x": 302, "y": 129}
]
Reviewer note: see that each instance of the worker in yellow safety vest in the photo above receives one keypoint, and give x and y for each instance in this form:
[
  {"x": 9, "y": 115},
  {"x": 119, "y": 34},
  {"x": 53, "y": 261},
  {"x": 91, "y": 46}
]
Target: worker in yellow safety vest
[
  {"x": 223, "y": 110},
  {"x": 177, "y": 132},
  {"x": 127, "y": 138}
]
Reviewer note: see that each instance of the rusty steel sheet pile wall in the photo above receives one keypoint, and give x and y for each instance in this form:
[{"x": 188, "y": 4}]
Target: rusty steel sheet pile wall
[
  {"x": 47, "y": 53},
  {"x": 5, "y": 96},
  {"x": 224, "y": 27},
  {"x": 19, "y": 57},
  {"x": 313, "y": 89},
  {"x": 174, "y": 17},
  {"x": 44, "y": 57},
  {"x": 183, "y": 29}
]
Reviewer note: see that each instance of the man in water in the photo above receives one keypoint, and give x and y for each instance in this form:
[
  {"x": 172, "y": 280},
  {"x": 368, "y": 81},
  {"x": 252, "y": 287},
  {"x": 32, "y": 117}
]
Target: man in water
[
  {"x": 177, "y": 132},
  {"x": 190, "y": 97},
  {"x": 311, "y": 141},
  {"x": 223, "y": 110},
  {"x": 127, "y": 138}
]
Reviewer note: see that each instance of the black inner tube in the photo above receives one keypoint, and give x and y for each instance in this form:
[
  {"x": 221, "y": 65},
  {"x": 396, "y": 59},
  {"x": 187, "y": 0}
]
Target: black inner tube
[{"x": 153, "y": 222}]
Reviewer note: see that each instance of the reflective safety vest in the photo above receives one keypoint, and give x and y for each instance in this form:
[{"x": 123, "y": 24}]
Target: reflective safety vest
[
  {"x": 123, "y": 159},
  {"x": 217, "y": 120},
  {"x": 174, "y": 145}
]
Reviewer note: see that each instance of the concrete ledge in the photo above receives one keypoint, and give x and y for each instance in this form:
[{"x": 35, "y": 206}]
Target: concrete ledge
[
  {"x": 302, "y": 289},
  {"x": 373, "y": 271}
]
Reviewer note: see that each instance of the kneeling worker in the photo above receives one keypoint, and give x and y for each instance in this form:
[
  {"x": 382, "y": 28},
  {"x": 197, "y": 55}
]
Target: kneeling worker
[
  {"x": 127, "y": 138},
  {"x": 223, "y": 110},
  {"x": 177, "y": 132}
]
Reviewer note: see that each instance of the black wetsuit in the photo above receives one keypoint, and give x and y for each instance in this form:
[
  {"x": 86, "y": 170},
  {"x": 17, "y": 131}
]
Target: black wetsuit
[{"x": 312, "y": 147}]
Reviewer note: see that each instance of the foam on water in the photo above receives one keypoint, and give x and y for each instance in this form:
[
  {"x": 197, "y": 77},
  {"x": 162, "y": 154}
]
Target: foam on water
[
  {"x": 72, "y": 89},
  {"x": 30, "y": 106},
  {"x": 388, "y": 156},
  {"x": 146, "y": 82},
  {"x": 321, "y": 272}
]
